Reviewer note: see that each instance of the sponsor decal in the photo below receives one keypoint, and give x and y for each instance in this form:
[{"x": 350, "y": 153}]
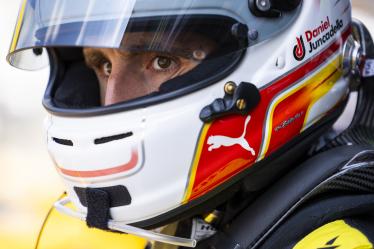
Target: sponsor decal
[
  {"x": 299, "y": 49},
  {"x": 217, "y": 141},
  {"x": 289, "y": 121},
  {"x": 316, "y": 38}
]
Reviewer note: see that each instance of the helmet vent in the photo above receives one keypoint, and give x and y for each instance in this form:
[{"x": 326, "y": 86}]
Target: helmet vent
[
  {"x": 104, "y": 140},
  {"x": 63, "y": 141}
]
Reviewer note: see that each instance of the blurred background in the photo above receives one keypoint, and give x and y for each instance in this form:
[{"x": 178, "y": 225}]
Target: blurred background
[{"x": 28, "y": 181}]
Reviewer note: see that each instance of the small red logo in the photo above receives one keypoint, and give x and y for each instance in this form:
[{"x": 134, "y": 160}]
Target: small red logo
[{"x": 299, "y": 49}]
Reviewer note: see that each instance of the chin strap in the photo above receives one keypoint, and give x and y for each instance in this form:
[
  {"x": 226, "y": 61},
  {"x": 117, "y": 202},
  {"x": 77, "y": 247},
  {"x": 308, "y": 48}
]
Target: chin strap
[
  {"x": 98, "y": 206},
  {"x": 60, "y": 205}
]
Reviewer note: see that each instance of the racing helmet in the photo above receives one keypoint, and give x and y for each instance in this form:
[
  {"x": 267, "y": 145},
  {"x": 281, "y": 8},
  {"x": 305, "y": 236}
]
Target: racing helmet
[{"x": 161, "y": 109}]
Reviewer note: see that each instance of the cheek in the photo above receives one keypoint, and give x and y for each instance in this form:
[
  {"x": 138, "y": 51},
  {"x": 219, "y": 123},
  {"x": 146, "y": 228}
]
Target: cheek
[
  {"x": 102, "y": 87},
  {"x": 127, "y": 81},
  {"x": 188, "y": 66},
  {"x": 154, "y": 80}
]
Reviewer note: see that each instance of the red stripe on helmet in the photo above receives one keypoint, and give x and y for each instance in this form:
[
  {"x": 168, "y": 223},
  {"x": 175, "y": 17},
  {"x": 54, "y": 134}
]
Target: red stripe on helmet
[{"x": 104, "y": 172}]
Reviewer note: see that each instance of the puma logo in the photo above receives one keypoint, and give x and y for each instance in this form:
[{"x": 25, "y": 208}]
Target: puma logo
[{"x": 216, "y": 142}]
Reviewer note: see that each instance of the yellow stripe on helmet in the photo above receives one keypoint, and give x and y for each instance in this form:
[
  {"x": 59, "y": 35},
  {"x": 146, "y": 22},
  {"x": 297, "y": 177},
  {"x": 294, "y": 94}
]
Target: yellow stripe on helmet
[{"x": 18, "y": 27}]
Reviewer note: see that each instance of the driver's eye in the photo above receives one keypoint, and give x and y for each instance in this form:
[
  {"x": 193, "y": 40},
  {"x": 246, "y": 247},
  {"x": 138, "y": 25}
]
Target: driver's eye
[{"x": 163, "y": 63}]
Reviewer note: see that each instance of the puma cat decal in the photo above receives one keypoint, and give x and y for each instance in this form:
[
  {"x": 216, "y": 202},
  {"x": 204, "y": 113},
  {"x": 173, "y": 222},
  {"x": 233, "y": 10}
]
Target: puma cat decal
[{"x": 216, "y": 142}]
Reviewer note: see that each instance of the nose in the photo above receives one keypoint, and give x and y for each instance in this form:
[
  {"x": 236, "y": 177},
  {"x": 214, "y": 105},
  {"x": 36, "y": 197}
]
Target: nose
[{"x": 121, "y": 85}]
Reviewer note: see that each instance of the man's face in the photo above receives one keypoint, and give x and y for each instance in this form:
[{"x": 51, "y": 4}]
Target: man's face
[{"x": 136, "y": 69}]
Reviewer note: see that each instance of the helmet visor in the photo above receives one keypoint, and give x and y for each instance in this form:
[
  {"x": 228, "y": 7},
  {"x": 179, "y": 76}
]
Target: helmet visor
[
  {"x": 141, "y": 44},
  {"x": 104, "y": 24}
]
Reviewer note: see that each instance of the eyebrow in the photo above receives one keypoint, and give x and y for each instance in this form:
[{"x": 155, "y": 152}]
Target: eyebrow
[
  {"x": 94, "y": 58},
  {"x": 157, "y": 47}
]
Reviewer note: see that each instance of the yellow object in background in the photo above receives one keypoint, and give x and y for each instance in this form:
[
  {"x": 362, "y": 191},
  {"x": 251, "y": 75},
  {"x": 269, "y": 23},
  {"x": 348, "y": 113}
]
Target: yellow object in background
[
  {"x": 337, "y": 234},
  {"x": 63, "y": 232}
]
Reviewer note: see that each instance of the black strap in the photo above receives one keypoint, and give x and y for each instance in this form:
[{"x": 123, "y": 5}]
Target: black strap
[{"x": 98, "y": 204}]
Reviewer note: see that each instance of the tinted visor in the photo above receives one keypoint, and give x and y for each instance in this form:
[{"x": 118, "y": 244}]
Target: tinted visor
[{"x": 151, "y": 48}]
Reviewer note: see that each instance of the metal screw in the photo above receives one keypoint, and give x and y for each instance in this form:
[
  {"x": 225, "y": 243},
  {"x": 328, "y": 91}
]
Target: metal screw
[
  {"x": 253, "y": 34},
  {"x": 230, "y": 87},
  {"x": 212, "y": 217},
  {"x": 241, "y": 104},
  {"x": 263, "y": 5},
  {"x": 37, "y": 51}
]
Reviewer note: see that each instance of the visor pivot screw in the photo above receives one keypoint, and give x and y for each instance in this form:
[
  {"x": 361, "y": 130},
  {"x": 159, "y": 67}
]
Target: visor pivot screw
[
  {"x": 199, "y": 55},
  {"x": 230, "y": 88},
  {"x": 37, "y": 51},
  {"x": 241, "y": 104},
  {"x": 263, "y": 5},
  {"x": 239, "y": 30},
  {"x": 253, "y": 34}
]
